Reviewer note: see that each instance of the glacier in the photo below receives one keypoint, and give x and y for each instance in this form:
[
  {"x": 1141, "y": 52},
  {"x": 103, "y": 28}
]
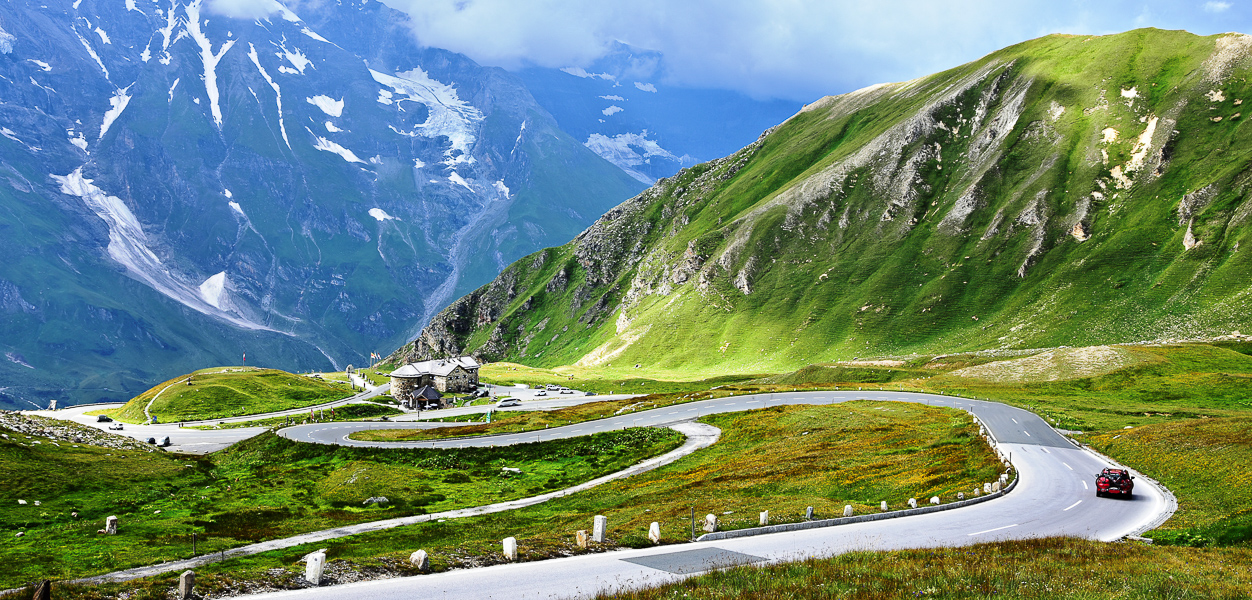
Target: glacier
[{"x": 448, "y": 115}]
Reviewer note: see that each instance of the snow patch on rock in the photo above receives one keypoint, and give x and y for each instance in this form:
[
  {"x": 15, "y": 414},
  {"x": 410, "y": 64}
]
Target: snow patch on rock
[
  {"x": 325, "y": 145},
  {"x": 6, "y": 41},
  {"x": 381, "y": 215},
  {"x": 39, "y": 63},
  {"x": 208, "y": 57},
  {"x": 278, "y": 93},
  {"x": 117, "y": 104},
  {"x": 329, "y": 105},
  {"x": 213, "y": 290}
]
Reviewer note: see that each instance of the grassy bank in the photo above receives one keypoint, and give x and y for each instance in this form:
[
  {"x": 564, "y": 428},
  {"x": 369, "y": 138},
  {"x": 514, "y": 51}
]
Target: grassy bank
[
  {"x": 600, "y": 381},
  {"x": 1207, "y": 463},
  {"x": 264, "y": 488},
  {"x": 229, "y": 392},
  {"x": 1047, "y": 569},
  {"x": 508, "y": 421},
  {"x": 350, "y": 412}
]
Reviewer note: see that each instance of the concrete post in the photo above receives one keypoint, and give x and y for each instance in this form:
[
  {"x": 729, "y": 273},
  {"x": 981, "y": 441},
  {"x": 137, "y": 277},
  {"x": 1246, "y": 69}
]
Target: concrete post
[
  {"x": 912, "y": 502},
  {"x": 883, "y": 506},
  {"x": 654, "y": 532},
  {"x": 581, "y": 538},
  {"x": 600, "y": 528},
  {"x": 314, "y": 564},
  {"x": 186, "y": 584},
  {"x": 764, "y": 518},
  {"x": 510, "y": 548},
  {"x": 110, "y": 525},
  {"x": 808, "y": 514},
  {"x": 847, "y": 510},
  {"x": 934, "y": 500}
]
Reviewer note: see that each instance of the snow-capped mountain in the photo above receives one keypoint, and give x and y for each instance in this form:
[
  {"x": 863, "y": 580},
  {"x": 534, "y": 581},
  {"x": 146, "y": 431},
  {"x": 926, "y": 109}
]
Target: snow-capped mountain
[
  {"x": 179, "y": 187},
  {"x": 621, "y": 109}
]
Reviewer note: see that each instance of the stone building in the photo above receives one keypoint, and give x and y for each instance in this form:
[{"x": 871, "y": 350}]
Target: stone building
[{"x": 446, "y": 375}]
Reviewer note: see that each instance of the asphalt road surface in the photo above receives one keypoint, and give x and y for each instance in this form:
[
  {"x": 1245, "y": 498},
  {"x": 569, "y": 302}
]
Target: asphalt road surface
[{"x": 1054, "y": 496}]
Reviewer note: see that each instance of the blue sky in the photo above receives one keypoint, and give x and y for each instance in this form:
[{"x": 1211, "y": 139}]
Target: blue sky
[{"x": 792, "y": 49}]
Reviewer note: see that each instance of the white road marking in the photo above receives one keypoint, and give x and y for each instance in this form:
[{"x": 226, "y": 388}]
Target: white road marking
[
  {"x": 1026, "y": 432},
  {"x": 1014, "y": 420},
  {"x": 1067, "y": 466},
  {"x": 1084, "y": 485},
  {"x": 990, "y": 530},
  {"x": 1073, "y": 505},
  {"x": 690, "y": 409}
]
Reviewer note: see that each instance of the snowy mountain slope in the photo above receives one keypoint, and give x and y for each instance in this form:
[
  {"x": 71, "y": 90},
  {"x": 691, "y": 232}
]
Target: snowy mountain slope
[{"x": 178, "y": 187}]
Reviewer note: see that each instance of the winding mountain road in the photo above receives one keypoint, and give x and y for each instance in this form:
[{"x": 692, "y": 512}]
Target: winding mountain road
[{"x": 1054, "y": 497}]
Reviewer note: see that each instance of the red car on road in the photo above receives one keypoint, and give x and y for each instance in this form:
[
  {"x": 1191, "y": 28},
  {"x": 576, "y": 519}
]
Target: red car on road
[{"x": 1114, "y": 482}]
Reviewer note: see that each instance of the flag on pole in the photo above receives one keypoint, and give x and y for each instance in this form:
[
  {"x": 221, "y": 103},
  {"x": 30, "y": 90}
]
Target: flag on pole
[{"x": 245, "y": 358}]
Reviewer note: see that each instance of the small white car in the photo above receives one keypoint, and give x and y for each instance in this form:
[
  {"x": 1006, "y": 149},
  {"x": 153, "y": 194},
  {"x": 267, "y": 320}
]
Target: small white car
[
  {"x": 509, "y": 402},
  {"x": 541, "y": 393}
]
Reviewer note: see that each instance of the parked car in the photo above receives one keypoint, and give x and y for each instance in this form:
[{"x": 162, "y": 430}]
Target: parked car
[
  {"x": 541, "y": 393},
  {"x": 590, "y": 394},
  {"x": 566, "y": 391},
  {"x": 103, "y": 419},
  {"x": 509, "y": 402}
]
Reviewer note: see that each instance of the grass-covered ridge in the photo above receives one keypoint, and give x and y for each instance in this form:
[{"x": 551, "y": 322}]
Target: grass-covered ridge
[
  {"x": 229, "y": 392},
  {"x": 777, "y": 459},
  {"x": 1049, "y": 194}
]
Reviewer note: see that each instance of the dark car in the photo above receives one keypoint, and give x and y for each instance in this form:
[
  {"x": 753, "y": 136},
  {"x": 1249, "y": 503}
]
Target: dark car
[
  {"x": 152, "y": 440},
  {"x": 1114, "y": 482},
  {"x": 103, "y": 419}
]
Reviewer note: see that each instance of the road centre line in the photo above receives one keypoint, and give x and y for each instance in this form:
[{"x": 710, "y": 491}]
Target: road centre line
[
  {"x": 1073, "y": 505},
  {"x": 1067, "y": 466},
  {"x": 991, "y": 530},
  {"x": 1026, "y": 432},
  {"x": 1014, "y": 421},
  {"x": 1084, "y": 485}
]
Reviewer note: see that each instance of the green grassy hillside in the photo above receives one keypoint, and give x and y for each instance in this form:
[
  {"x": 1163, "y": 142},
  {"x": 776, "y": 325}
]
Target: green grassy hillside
[
  {"x": 1066, "y": 191},
  {"x": 229, "y": 392}
]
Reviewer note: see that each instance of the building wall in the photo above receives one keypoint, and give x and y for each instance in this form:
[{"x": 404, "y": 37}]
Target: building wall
[
  {"x": 459, "y": 380},
  {"x": 402, "y": 388}
]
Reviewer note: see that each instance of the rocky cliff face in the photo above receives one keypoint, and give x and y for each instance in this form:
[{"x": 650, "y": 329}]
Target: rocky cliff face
[
  {"x": 1065, "y": 191},
  {"x": 178, "y": 188}
]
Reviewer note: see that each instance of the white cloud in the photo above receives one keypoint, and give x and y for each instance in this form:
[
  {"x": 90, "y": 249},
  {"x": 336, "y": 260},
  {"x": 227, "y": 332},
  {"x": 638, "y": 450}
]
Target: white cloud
[
  {"x": 646, "y": 87},
  {"x": 244, "y": 9},
  {"x": 612, "y": 110},
  {"x": 798, "y": 49}
]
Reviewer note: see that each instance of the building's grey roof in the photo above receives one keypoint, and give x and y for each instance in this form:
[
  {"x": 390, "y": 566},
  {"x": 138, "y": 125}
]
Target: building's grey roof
[
  {"x": 428, "y": 393},
  {"x": 439, "y": 367}
]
